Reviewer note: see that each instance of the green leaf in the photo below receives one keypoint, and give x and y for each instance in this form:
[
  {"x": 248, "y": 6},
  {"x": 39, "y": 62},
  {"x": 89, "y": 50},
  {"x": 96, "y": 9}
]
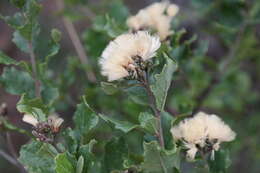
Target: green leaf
[
  {"x": 49, "y": 94},
  {"x": 157, "y": 160},
  {"x": 84, "y": 118},
  {"x": 6, "y": 125},
  {"x": 64, "y": 164},
  {"x": 33, "y": 107},
  {"x": 21, "y": 42},
  {"x": 72, "y": 140},
  {"x": 115, "y": 152},
  {"x": 16, "y": 21},
  {"x": 220, "y": 163},
  {"x": 138, "y": 95},
  {"x": 17, "y": 82},
  {"x": 109, "y": 88},
  {"x": 56, "y": 35},
  {"x": 98, "y": 42},
  {"x": 38, "y": 157},
  {"x": 53, "y": 45},
  {"x": 148, "y": 122},
  {"x": 80, "y": 165},
  {"x": 91, "y": 163},
  {"x": 4, "y": 59},
  {"x": 167, "y": 121},
  {"x": 18, "y": 3},
  {"x": 118, "y": 10},
  {"x": 108, "y": 25},
  {"x": 163, "y": 82},
  {"x": 124, "y": 126}
]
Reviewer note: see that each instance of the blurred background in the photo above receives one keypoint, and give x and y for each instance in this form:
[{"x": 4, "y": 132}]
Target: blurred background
[{"x": 222, "y": 28}]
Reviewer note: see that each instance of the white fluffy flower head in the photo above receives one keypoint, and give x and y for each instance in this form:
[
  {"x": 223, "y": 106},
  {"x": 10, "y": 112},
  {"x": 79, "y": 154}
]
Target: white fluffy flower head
[
  {"x": 202, "y": 132},
  {"x": 118, "y": 60},
  {"x": 157, "y": 16}
]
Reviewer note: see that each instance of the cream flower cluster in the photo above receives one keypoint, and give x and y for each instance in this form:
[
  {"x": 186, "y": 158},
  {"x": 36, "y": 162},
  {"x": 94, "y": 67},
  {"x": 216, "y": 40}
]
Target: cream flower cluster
[
  {"x": 54, "y": 121},
  {"x": 157, "y": 16},
  {"x": 118, "y": 59},
  {"x": 202, "y": 132}
]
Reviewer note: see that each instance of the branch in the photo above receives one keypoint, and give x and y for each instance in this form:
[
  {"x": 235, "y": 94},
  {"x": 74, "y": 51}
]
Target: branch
[
  {"x": 14, "y": 158},
  {"x": 76, "y": 43},
  {"x": 8, "y": 158},
  {"x": 37, "y": 83},
  {"x": 11, "y": 145}
]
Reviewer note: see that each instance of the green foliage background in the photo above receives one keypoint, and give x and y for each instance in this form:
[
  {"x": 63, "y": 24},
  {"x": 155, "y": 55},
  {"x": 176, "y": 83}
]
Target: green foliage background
[{"x": 216, "y": 46}]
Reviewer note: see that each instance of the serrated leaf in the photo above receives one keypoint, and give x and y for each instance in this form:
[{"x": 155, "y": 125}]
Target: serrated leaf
[
  {"x": 38, "y": 157},
  {"x": 33, "y": 107},
  {"x": 157, "y": 160},
  {"x": 148, "y": 122},
  {"x": 17, "y": 82},
  {"x": 63, "y": 164},
  {"x": 124, "y": 126},
  {"x": 6, "y": 60},
  {"x": 84, "y": 118},
  {"x": 163, "y": 82}
]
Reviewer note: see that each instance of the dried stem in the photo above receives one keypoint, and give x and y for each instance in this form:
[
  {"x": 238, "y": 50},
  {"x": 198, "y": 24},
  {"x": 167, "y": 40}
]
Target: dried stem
[
  {"x": 37, "y": 83},
  {"x": 76, "y": 42},
  {"x": 152, "y": 103},
  {"x": 10, "y": 145},
  {"x": 8, "y": 158},
  {"x": 14, "y": 158}
]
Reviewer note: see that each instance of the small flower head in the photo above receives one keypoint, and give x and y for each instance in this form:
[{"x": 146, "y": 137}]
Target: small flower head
[
  {"x": 126, "y": 55},
  {"x": 44, "y": 130},
  {"x": 157, "y": 16},
  {"x": 55, "y": 122},
  {"x": 202, "y": 133}
]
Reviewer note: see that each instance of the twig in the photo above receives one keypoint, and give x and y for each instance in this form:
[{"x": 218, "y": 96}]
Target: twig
[
  {"x": 14, "y": 157},
  {"x": 157, "y": 112},
  {"x": 76, "y": 43},
  {"x": 10, "y": 145},
  {"x": 37, "y": 83},
  {"x": 8, "y": 158},
  {"x": 88, "y": 13}
]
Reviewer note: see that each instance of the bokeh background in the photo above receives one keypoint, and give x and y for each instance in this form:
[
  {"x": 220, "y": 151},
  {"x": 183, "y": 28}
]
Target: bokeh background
[{"x": 219, "y": 28}]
